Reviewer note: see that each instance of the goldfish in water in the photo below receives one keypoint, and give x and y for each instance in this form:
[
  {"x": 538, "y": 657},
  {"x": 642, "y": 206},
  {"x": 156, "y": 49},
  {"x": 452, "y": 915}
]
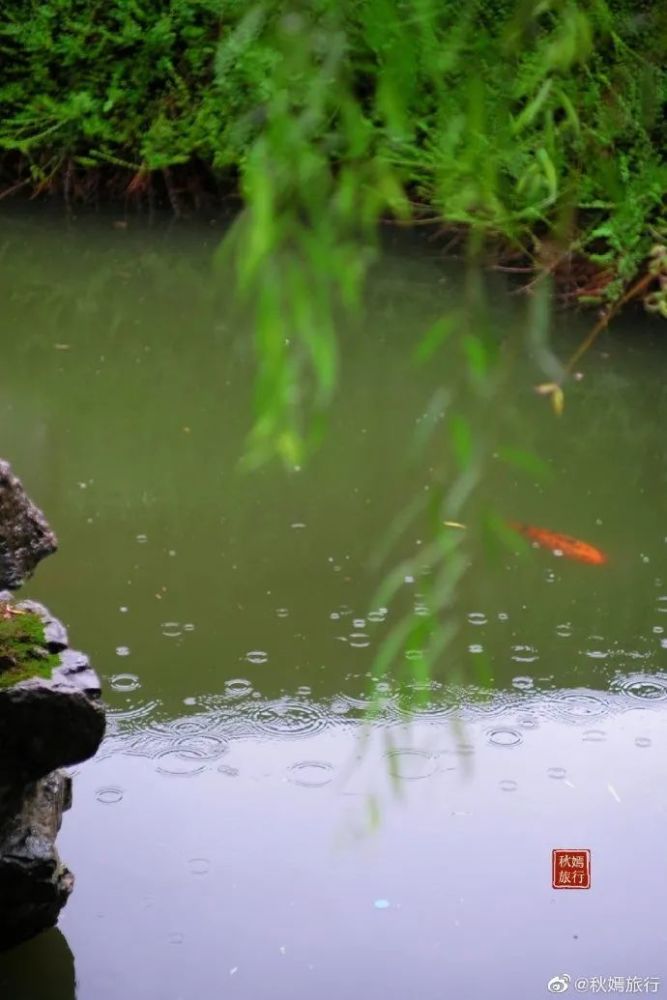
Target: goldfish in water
[
  {"x": 564, "y": 545},
  {"x": 571, "y": 548}
]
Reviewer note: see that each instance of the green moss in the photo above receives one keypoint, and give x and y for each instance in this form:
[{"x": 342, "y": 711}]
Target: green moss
[{"x": 23, "y": 650}]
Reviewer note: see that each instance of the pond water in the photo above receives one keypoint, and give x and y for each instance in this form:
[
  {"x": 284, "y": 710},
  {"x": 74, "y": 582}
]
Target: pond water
[{"x": 243, "y": 831}]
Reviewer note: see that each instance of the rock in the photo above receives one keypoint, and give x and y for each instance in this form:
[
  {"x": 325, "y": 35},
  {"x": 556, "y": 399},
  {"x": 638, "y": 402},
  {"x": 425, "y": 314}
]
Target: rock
[
  {"x": 45, "y": 723},
  {"x": 55, "y": 633},
  {"x": 50, "y": 722},
  {"x": 75, "y": 669},
  {"x": 25, "y": 535},
  {"x": 34, "y": 884}
]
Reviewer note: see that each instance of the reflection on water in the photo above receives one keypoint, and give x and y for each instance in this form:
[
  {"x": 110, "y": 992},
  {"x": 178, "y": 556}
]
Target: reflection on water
[
  {"x": 244, "y": 827},
  {"x": 267, "y": 864},
  {"x": 43, "y": 968}
]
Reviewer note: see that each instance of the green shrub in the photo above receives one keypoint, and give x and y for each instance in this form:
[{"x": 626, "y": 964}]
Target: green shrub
[{"x": 515, "y": 117}]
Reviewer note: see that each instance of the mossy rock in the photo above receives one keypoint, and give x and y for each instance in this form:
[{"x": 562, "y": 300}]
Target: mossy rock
[
  {"x": 23, "y": 647},
  {"x": 51, "y": 714}
]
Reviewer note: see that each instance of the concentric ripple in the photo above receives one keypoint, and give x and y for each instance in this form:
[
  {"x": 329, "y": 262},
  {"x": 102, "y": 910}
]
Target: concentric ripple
[
  {"x": 172, "y": 630},
  {"x": 199, "y": 866},
  {"x": 257, "y": 656},
  {"x": 643, "y": 688},
  {"x": 564, "y": 631},
  {"x": 180, "y": 728},
  {"x": 109, "y": 795},
  {"x": 180, "y": 764},
  {"x": 339, "y": 707},
  {"x": 502, "y": 737},
  {"x": 594, "y": 736},
  {"x": 524, "y": 654},
  {"x": 231, "y": 772},
  {"x": 508, "y": 785},
  {"x": 238, "y": 687},
  {"x": 412, "y": 705},
  {"x": 311, "y": 773},
  {"x": 126, "y": 728},
  {"x": 124, "y": 718},
  {"x": 208, "y": 747},
  {"x": 124, "y": 682},
  {"x": 596, "y": 654},
  {"x": 574, "y": 705},
  {"x": 288, "y": 717},
  {"x": 411, "y": 764}
]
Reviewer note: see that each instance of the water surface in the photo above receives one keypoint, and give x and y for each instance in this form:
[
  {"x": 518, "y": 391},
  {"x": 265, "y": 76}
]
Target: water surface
[{"x": 242, "y": 831}]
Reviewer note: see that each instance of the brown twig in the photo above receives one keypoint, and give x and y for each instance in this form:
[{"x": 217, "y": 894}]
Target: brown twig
[
  {"x": 15, "y": 187},
  {"x": 605, "y": 320},
  {"x": 172, "y": 193}
]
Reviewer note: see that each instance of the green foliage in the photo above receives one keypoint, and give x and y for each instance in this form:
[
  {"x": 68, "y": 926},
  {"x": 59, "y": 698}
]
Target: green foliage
[
  {"x": 120, "y": 83},
  {"x": 504, "y": 115},
  {"x": 496, "y": 118}
]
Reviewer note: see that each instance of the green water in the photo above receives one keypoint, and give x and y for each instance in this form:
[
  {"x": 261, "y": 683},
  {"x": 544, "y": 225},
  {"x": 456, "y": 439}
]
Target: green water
[{"x": 221, "y": 837}]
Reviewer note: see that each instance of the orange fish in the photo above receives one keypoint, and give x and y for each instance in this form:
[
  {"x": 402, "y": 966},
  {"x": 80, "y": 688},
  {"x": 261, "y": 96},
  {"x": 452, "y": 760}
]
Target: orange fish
[{"x": 571, "y": 548}]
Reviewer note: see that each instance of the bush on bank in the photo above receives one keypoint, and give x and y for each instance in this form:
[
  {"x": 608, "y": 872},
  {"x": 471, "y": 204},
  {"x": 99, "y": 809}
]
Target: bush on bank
[{"x": 538, "y": 121}]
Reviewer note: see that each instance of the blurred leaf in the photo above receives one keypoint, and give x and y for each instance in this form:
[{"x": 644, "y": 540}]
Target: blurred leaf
[
  {"x": 533, "y": 107},
  {"x": 549, "y": 172},
  {"x": 526, "y": 461},
  {"x": 500, "y": 537},
  {"x": 482, "y": 670},
  {"x": 373, "y": 812},
  {"x": 435, "y": 336},
  {"x": 558, "y": 400},
  {"x": 461, "y": 436},
  {"x": 477, "y": 356}
]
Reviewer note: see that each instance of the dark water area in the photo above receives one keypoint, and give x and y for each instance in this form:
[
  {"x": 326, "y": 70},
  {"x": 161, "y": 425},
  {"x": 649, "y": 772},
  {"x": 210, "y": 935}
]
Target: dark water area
[{"x": 244, "y": 831}]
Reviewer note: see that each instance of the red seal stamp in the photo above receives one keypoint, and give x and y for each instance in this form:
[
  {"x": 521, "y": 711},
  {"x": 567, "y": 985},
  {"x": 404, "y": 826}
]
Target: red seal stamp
[{"x": 571, "y": 868}]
